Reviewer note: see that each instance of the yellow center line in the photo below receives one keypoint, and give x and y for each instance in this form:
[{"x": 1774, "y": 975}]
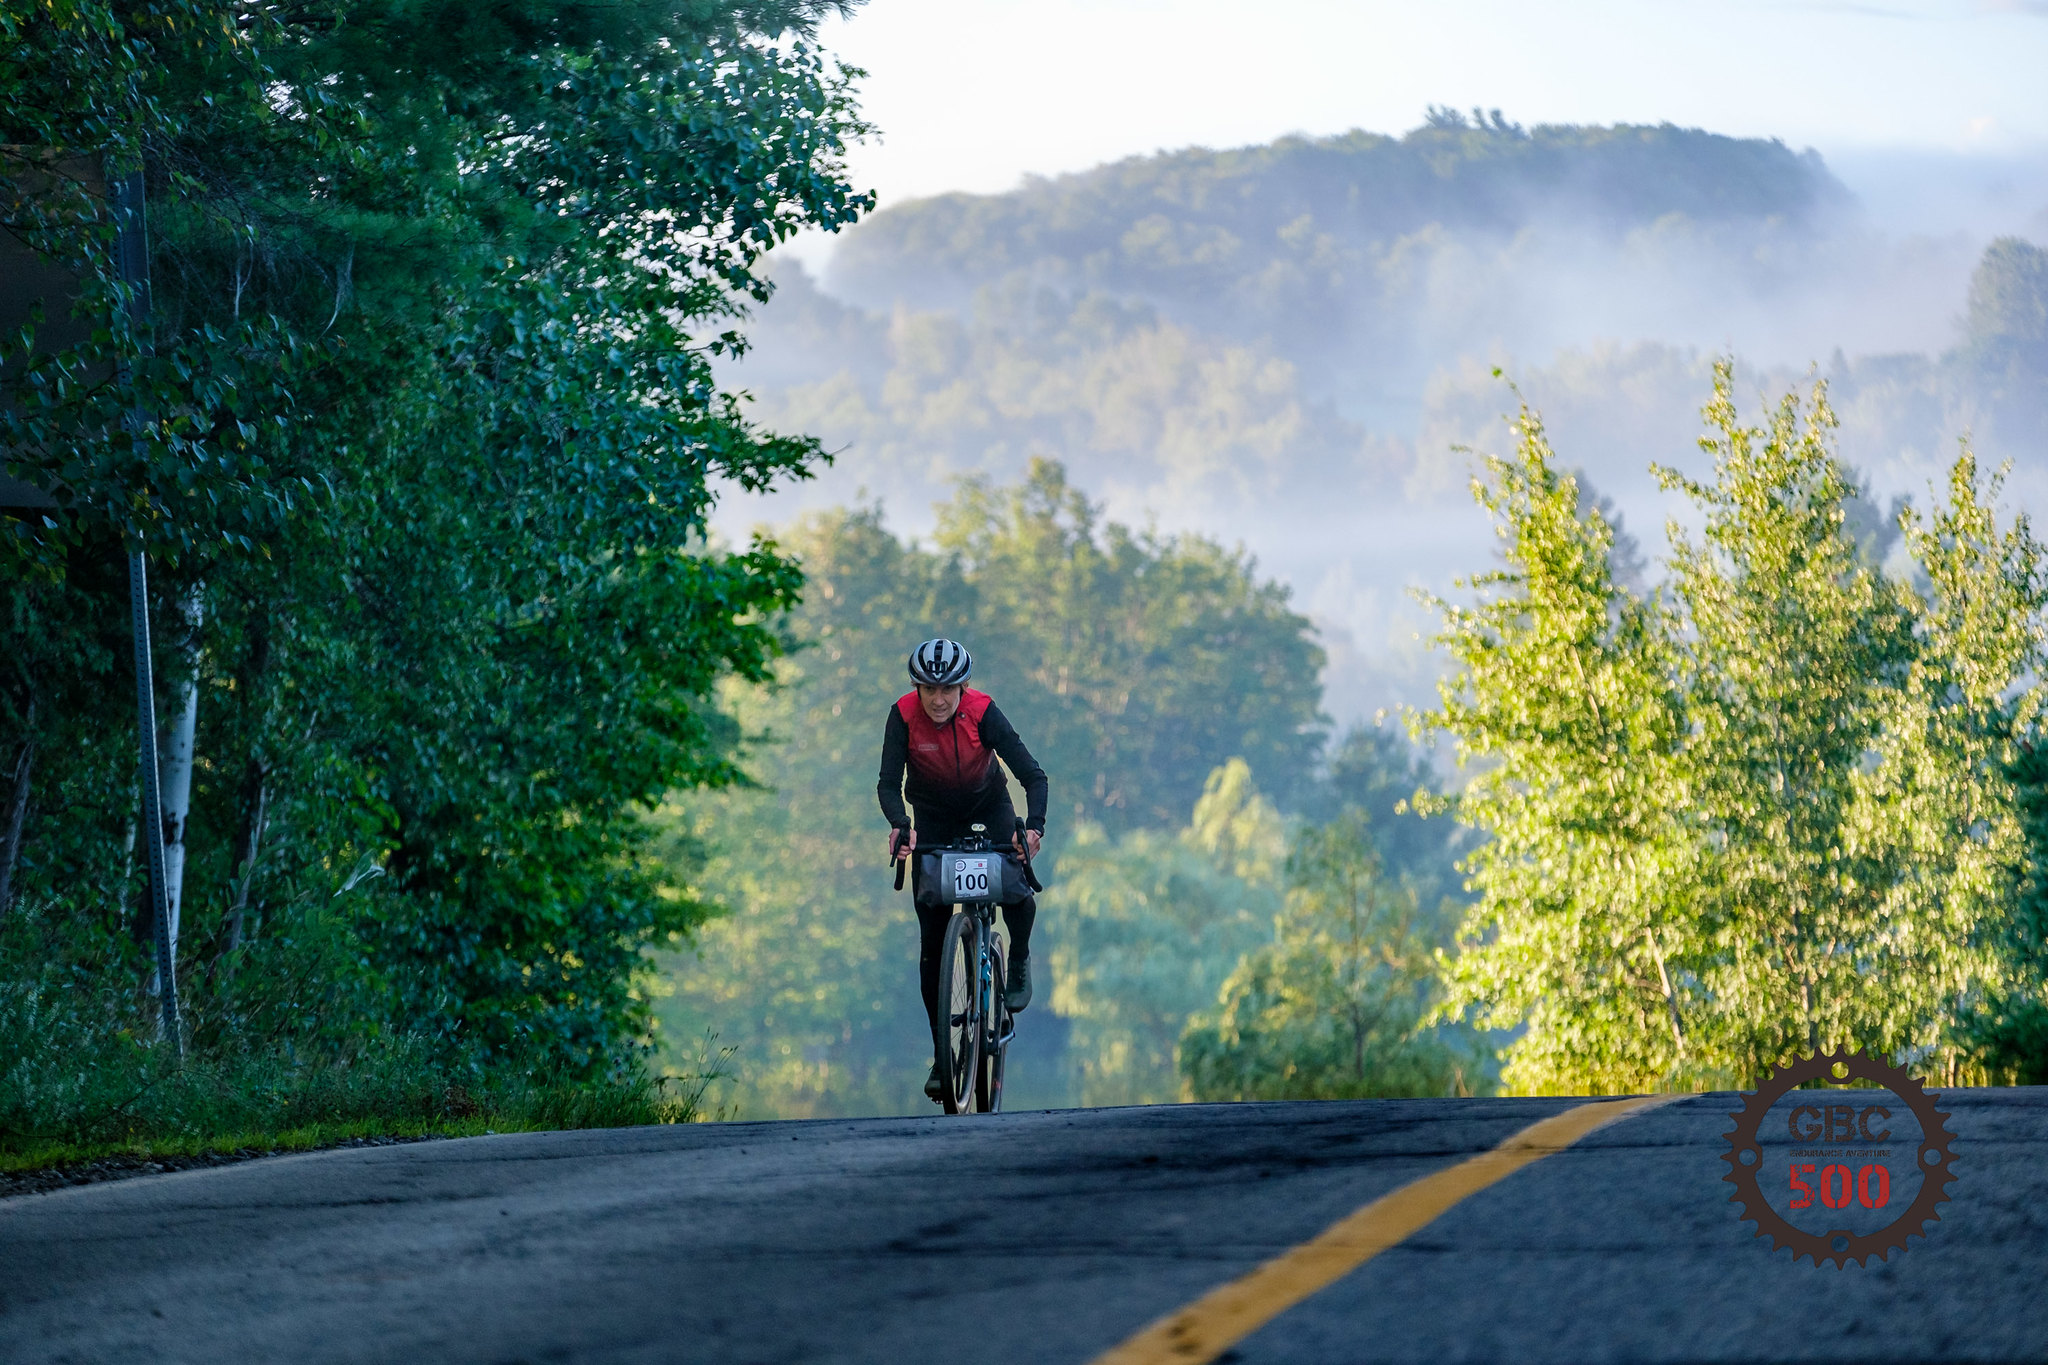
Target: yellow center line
[{"x": 1227, "y": 1314}]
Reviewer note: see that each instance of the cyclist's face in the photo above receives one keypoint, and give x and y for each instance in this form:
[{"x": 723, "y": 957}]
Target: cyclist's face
[{"x": 939, "y": 702}]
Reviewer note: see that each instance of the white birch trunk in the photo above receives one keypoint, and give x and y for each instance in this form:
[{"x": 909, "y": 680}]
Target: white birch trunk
[{"x": 177, "y": 766}]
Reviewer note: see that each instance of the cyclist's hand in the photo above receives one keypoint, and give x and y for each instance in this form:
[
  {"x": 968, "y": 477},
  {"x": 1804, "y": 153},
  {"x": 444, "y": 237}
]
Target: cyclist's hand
[
  {"x": 1032, "y": 839},
  {"x": 902, "y": 843}
]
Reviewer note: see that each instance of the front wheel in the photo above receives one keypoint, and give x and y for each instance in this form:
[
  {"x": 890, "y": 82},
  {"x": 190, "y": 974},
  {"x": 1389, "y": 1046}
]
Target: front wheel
[
  {"x": 957, "y": 1031},
  {"x": 988, "y": 1080}
]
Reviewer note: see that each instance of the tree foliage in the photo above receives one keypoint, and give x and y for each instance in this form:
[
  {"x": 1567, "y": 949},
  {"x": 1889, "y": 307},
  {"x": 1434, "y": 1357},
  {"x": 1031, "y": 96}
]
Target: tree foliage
[
  {"x": 2008, "y": 307},
  {"x": 812, "y": 976},
  {"x": 1334, "y": 1005},
  {"x": 1766, "y": 810},
  {"x": 428, "y": 429},
  {"x": 2006, "y": 341},
  {"x": 1145, "y": 928},
  {"x": 1144, "y": 661}
]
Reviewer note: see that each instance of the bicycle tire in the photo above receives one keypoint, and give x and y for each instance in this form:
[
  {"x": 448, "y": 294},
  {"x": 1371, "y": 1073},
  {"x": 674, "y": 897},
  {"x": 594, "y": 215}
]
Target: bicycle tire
[
  {"x": 957, "y": 1040},
  {"x": 988, "y": 1077}
]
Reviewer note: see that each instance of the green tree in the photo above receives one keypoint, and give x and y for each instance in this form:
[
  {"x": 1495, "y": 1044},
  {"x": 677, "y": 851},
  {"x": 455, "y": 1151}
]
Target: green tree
[
  {"x": 2006, "y": 341},
  {"x": 1375, "y": 773},
  {"x": 1795, "y": 642},
  {"x": 1143, "y": 930},
  {"x": 2008, "y": 1036},
  {"x": 430, "y": 429},
  {"x": 1780, "y": 807},
  {"x": 1952, "y": 794},
  {"x": 2007, "y": 320},
  {"x": 1147, "y": 660},
  {"x": 1565, "y": 701},
  {"x": 1334, "y": 1006}
]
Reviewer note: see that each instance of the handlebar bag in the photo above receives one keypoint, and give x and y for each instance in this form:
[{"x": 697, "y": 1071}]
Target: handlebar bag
[{"x": 933, "y": 890}]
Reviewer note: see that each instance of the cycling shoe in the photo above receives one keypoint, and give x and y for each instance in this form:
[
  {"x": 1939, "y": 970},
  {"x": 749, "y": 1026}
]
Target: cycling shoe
[{"x": 1017, "y": 994}]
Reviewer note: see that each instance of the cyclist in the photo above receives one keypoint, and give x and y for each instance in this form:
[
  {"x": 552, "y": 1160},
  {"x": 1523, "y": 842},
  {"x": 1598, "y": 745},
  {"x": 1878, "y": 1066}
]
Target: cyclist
[{"x": 944, "y": 737}]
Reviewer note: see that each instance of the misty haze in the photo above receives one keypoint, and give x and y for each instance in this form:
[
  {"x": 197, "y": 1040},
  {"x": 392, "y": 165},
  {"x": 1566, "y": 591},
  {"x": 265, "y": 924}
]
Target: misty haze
[{"x": 1286, "y": 346}]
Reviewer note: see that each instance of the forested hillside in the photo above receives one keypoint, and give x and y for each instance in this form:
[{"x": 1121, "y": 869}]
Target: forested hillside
[
  {"x": 1324, "y": 246},
  {"x": 1287, "y": 345}
]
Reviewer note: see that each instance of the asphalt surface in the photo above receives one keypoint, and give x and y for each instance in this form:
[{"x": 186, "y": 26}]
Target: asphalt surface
[{"x": 1015, "y": 1238}]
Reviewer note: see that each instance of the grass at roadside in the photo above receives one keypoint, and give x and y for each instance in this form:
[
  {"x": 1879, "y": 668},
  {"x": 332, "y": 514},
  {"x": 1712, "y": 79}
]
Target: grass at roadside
[
  {"x": 283, "y": 1064},
  {"x": 20, "y": 1153},
  {"x": 311, "y": 1138},
  {"x": 129, "y": 1105}
]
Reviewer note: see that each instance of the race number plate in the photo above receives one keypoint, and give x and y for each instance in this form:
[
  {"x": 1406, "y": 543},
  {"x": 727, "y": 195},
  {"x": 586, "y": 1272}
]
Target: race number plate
[{"x": 971, "y": 877}]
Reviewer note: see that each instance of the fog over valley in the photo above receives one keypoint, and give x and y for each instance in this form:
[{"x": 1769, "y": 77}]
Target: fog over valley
[{"x": 1284, "y": 347}]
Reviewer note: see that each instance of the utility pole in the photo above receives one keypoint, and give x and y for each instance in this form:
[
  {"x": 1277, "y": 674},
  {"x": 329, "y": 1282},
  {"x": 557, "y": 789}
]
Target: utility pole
[{"x": 132, "y": 251}]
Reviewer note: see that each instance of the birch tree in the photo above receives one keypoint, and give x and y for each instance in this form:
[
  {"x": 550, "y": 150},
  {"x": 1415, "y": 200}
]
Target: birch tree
[
  {"x": 1564, "y": 702},
  {"x": 1764, "y": 810}
]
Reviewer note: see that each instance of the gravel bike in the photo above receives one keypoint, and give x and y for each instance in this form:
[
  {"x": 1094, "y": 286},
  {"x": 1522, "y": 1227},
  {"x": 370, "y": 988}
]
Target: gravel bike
[{"x": 974, "y": 1026}]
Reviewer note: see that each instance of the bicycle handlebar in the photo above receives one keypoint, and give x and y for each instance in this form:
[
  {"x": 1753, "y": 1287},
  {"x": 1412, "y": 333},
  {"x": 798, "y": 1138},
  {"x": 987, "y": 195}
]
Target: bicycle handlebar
[{"x": 900, "y": 850}]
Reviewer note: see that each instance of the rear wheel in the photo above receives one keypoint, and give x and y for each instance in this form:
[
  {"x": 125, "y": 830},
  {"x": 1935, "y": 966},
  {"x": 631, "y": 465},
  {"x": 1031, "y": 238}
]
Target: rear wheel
[
  {"x": 957, "y": 1037},
  {"x": 988, "y": 1080}
]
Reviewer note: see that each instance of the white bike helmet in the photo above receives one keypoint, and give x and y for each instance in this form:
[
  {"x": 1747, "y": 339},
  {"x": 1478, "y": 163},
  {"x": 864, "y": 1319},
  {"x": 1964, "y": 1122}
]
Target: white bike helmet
[{"x": 941, "y": 663}]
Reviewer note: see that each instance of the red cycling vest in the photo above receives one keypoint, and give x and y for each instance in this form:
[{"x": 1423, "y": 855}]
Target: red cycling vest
[{"x": 949, "y": 757}]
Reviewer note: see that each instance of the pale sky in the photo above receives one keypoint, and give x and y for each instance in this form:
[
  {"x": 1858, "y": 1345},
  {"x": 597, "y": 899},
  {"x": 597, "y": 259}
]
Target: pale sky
[{"x": 974, "y": 94}]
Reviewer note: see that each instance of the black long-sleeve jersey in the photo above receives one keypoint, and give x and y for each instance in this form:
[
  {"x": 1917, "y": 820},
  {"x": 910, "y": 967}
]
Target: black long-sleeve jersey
[{"x": 945, "y": 769}]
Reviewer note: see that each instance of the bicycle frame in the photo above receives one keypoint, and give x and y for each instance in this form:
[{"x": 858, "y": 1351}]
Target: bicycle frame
[
  {"x": 973, "y": 1077},
  {"x": 1000, "y": 1024}
]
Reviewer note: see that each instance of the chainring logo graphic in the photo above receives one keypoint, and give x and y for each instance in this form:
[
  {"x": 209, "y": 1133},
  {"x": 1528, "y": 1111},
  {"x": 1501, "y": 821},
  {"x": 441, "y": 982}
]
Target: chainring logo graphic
[{"x": 1840, "y": 1173}]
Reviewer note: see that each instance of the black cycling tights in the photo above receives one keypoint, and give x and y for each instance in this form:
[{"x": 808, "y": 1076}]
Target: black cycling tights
[{"x": 931, "y": 932}]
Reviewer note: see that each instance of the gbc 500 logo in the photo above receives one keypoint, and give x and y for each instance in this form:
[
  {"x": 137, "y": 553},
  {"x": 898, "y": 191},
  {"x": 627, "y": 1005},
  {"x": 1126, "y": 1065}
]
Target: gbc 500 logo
[{"x": 1840, "y": 1176}]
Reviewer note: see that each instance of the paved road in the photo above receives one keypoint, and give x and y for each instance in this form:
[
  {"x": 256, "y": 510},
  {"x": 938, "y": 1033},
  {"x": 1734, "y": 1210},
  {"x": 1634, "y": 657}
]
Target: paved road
[{"x": 1020, "y": 1238}]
